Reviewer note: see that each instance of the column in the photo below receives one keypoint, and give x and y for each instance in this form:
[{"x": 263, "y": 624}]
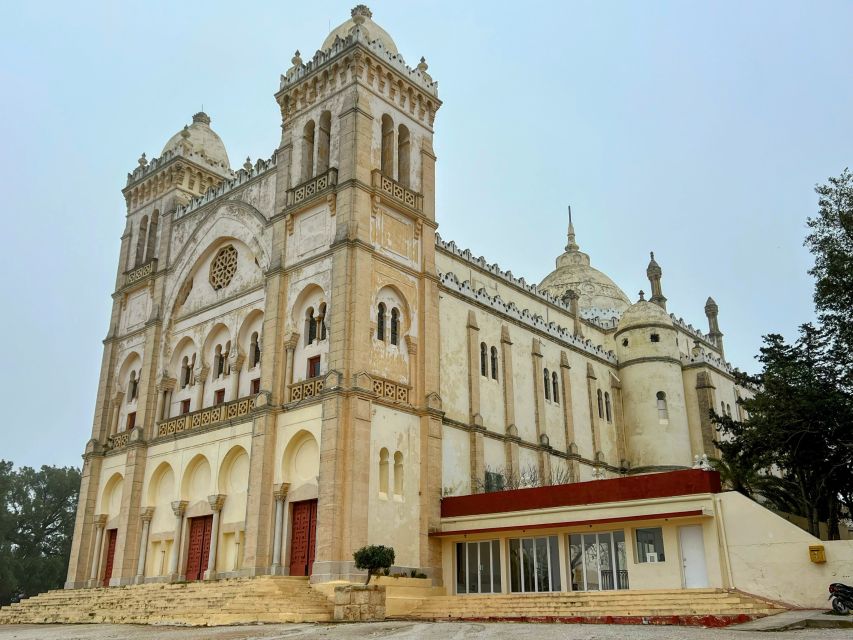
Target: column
[
  {"x": 100, "y": 523},
  {"x": 592, "y": 392},
  {"x": 507, "y": 379},
  {"x": 146, "y": 515},
  {"x": 474, "y": 370},
  {"x": 568, "y": 417},
  {"x": 280, "y": 495},
  {"x": 290, "y": 348},
  {"x": 178, "y": 507},
  {"x": 539, "y": 404},
  {"x": 216, "y": 502},
  {"x": 234, "y": 375},
  {"x": 117, "y": 400},
  {"x": 158, "y": 412},
  {"x": 200, "y": 377}
]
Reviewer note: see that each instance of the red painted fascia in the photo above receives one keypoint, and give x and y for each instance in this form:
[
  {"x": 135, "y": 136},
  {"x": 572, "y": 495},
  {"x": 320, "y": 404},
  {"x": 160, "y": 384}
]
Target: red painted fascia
[{"x": 642, "y": 487}]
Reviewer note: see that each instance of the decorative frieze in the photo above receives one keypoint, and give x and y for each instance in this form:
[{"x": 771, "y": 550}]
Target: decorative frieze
[
  {"x": 312, "y": 187},
  {"x": 307, "y": 389},
  {"x": 207, "y": 417},
  {"x": 390, "y": 390},
  {"x": 118, "y": 440},
  {"x": 396, "y": 191},
  {"x": 140, "y": 272}
]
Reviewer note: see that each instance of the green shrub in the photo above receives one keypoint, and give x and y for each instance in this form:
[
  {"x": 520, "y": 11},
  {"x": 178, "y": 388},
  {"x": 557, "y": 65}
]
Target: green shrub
[{"x": 372, "y": 558}]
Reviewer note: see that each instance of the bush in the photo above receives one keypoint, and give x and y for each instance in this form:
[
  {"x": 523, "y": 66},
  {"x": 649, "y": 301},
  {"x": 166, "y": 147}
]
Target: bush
[{"x": 372, "y": 558}]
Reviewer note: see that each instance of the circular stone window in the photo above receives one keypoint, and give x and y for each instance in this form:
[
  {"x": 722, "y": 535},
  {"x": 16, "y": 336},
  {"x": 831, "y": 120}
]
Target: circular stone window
[{"x": 223, "y": 267}]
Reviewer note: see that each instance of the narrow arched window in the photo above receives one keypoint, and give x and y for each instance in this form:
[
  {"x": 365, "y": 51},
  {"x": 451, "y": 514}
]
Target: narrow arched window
[
  {"x": 600, "y": 404},
  {"x": 185, "y": 372},
  {"x": 398, "y": 473},
  {"x": 387, "y": 159},
  {"x": 254, "y": 351},
  {"x": 321, "y": 321},
  {"x": 218, "y": 361},
  {"x": 547, "y": 385},
  {"x": 323, "y": 140},
  {"x": 310, "y": 326},
  {"x": 380, "y": 322},
  {"x": 494, "y": 353},
  {"x": 152, "y": 235},
  {"x": 663, "y": 411},
  {"x": 140, "y": 240},
  {"x": 395, "y": 325},
  {"x": 308, "y": 151},
  {"x": 403, "y": 156},
  {"x": 607, "y": 407},
  {"x": 484, "y": 360},
  {"x": 383, "y": 471},
  {"x": 132, "y": 387},
  {"x": 729, "y": 410},
  {"x": 555, "y": 387},
  {"x": 722, "y": 408}
]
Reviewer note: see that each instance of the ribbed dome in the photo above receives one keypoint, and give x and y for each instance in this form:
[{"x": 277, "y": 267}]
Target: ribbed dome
[
  {"x": 595, "y": 290},
  {"x": 202, "y": 144},
  {"x": 643, "y": 313},
  {"x": 361, "y": 15}
]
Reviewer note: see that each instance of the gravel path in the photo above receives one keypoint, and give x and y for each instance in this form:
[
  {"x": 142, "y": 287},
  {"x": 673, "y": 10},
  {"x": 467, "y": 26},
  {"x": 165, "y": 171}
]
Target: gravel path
[{"x": 402, "y": 630}]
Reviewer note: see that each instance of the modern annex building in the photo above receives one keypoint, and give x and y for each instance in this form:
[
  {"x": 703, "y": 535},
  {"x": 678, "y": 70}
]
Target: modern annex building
[{"x": 297, "y": 365}]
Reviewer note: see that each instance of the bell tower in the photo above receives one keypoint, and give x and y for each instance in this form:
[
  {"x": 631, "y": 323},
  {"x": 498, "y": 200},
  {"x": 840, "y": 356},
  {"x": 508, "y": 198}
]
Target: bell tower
[{"x": 356, "y": 184}]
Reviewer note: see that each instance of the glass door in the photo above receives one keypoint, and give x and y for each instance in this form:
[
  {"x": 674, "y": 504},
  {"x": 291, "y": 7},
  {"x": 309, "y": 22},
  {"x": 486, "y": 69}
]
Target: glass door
[
  {"x": 478, "y": 567},
  {"x": 598, "y": 561},
  {"x": 534, "y": 564}
]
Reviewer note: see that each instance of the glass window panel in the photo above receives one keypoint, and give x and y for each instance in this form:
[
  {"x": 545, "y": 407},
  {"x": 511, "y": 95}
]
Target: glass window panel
[
  {"x": 554, "y": 555},
  {"x": 496, "y": 566},
  {"x": 541, "y": 550},
  {"x": 650, "y": 545},
  {"x": 528, "y": 565},
  {"x": 485, "y": 567},
  {"x": 605, "y": 561},
  {"x": 515, "y": 565},
  {"x": 621, "y": 559},
  {"x": 576, "y": 563},
  {"x": 460, "y": 567},
  {"x": 472, "y": 567},
  {"x": 590, "y": 552}
]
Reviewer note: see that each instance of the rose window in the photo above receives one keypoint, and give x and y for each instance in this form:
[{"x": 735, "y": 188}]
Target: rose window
[{"x": 223, "y": 267}]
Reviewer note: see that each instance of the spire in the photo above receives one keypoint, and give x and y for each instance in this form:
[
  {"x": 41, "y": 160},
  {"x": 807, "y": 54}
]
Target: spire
[
  {"x": 711, "y": 311},
  {"x": 654, "y": 273},
  {"x": 572, "y": 246}
]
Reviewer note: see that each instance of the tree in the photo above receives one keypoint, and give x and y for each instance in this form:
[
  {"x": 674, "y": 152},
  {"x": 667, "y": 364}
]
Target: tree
[
  {"x": 372, "y": 558},
  {"x": 38, "y": 508}
]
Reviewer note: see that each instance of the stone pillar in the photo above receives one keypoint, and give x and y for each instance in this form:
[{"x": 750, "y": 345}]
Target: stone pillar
[
  {"x": 508, "y": 379},
  {"x": 100, "y": 523},
  {"x": 178, "y": 507},
  {"x": 216, "y": 502},
  {"x": 412, "y": 348},
  {"x": 146, "y": 515},
  {"x": 539, "y": 403},
  {"x": 566, "y": 384},
  {"x": 290, "y": 348},
  {"x": 164, "y": 398},
  {"x": 117, "y": 400},
  {"x": 706, "y": 397},
  {"x": 572, "y": 298},
  {"x": 200, "y": 378},
  {"x": 234, "y": 375},
  {"x": 158, "y": 411},
  {"x": 280, "y": 496},
  {"x": 474, "y": 365},
  {"x": 618, "y": 420},
  {"x": 592, "y": 388}
]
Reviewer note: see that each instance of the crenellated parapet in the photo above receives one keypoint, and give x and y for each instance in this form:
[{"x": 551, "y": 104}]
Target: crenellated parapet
[
  {"x": 246, "y": 174},
  {"x": 534, "y": 321},
  {"x": 703, "y": 357}
]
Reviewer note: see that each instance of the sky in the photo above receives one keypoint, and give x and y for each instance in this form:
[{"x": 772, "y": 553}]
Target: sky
[{"x": 697, "y": 130}]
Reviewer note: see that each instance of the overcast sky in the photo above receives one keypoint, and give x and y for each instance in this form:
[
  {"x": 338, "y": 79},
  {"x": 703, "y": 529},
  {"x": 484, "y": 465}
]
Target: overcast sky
[{"x": 697, "y": 130}]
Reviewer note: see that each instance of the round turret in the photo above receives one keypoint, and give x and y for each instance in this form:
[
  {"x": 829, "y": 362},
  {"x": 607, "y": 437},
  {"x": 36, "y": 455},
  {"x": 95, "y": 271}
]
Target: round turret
[{"x": 202, "y": 144}]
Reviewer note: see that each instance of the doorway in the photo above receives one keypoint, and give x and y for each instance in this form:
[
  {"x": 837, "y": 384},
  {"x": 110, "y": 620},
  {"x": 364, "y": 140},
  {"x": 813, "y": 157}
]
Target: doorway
[
  {"x": 111, "y": 553},
  {"x": 199, "y": 549},
  {"x": 693, "y": 568},
  {"x": 598, "y": 561},
  {"x": 303, "y": 541}
]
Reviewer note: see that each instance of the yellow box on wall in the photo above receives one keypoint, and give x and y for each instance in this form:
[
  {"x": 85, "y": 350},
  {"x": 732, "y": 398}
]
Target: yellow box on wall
[{"x": 817, "y": 553}]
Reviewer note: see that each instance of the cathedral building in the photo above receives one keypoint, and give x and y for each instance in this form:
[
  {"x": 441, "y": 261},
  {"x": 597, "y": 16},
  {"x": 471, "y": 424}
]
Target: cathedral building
[{"x": 298, "y": 365}]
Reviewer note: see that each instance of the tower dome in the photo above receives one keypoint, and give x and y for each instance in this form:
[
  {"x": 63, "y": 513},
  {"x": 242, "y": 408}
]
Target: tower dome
[
  {"x": 201, "y": 143},
  {"x": 643, "y": 313},
  {"x": 595, "y": 290},
  {"x": 363, "y": 17}
]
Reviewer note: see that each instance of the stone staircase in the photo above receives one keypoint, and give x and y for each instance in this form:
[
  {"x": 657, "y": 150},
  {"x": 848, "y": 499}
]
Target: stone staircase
[
  {"x": 706, "y": 607},
  {"x": 236, "y": 601}
]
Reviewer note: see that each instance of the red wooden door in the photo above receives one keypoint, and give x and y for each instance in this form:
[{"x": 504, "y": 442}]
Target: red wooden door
[
  {"x": 111, "y": 553},
  {"x": 303, "y": 539},
  {"x": 199, "y": 549}
]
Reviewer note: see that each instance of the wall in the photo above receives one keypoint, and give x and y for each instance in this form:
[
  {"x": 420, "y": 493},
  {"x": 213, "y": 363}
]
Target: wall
[{"x": 769, "y": 556}]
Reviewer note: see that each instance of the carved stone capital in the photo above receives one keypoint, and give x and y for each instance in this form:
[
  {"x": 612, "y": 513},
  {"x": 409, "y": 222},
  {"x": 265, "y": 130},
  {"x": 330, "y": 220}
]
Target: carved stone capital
[
  {"x": 216, "y": 502},
  {"x": 179, "y": 506},
  {"x": 281, "y": 491},
  {"x": 146, "y": 514},
  {"x": 291, "y": 342},
  {"x": 167, "y": 384},
  {"x": 412, "y": 344},
  {"x": 101, "y": 520}
]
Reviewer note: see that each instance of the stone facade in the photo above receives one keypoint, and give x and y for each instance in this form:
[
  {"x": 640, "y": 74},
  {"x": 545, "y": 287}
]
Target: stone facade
[{"x": 295, "y": 333}]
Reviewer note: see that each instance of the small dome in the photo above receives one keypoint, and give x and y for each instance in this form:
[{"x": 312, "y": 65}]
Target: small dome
[
  {"x": 595, "y": 290},
  {"x": 202, "y": 143},
  {"x": 362, "y": 16},
  {"x": 643, "y": 313}
]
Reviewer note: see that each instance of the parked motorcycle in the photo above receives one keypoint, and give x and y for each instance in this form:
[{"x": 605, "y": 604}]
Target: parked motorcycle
[{"x": 842, "y": 598}]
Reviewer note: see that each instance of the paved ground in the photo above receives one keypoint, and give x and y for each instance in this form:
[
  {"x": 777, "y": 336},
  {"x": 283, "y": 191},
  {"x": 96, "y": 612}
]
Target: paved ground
[{"x": 403, "y": 630}]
